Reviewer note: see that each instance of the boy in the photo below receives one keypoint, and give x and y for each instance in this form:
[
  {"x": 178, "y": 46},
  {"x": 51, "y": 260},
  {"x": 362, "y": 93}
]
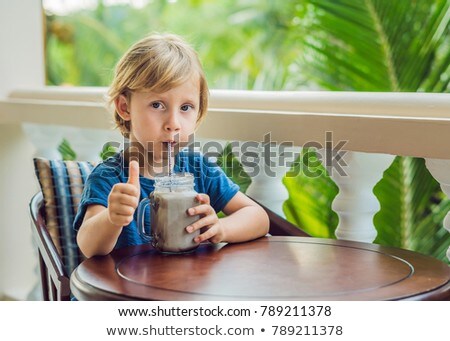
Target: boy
[{"x": 160, "y": 95}]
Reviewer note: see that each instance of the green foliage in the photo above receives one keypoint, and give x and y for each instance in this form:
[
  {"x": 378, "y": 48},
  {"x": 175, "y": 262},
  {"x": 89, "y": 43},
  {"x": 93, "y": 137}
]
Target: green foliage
[
  {"x": 66, "y": 151},
  {"x": 108, "y": 151},
  {"x": 247, "y": 44},
  {"x": 81, "y": 50},
  {"x": 311, "y": 193},
  {"x": 68, "y": 154},
  {"x": 378, "y": 45},
  {"x": 233, "y": 168},
  {"x": 420, "y": 208}
]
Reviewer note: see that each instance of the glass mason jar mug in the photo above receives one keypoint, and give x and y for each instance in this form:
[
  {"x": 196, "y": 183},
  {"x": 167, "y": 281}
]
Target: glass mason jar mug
[{"x": 169, "y": 202}]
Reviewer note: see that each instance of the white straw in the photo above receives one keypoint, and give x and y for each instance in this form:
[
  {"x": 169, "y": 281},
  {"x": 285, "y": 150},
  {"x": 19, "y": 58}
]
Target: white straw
[{"x": 169, "y": 156}]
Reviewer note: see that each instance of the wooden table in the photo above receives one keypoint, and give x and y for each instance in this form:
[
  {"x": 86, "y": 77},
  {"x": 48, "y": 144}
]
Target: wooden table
[{"x": 270, "y": 268}]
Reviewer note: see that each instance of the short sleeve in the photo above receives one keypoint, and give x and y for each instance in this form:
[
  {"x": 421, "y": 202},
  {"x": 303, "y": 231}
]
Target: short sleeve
[
  {"x": 96, "y": 192},
  {"x": 217, "y": 185}
]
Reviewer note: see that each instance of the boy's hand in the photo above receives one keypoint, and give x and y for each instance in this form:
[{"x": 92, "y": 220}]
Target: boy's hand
[
  {"x": 210, "y": 222},
  {"x": 124, "y": 198}
]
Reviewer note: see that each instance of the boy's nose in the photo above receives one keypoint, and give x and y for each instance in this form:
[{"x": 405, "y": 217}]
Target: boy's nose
[{"x": 172, "y": 123}]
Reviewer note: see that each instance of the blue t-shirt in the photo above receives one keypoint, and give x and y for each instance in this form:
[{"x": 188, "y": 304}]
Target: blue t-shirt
[{"x": 208, "y": 179}]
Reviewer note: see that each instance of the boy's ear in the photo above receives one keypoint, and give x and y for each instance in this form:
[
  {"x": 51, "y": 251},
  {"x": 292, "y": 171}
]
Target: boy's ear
[{"x": 122, "y": 107}]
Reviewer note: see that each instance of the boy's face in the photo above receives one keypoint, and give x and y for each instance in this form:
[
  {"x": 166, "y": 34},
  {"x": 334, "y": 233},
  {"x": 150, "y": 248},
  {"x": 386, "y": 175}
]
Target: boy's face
[{"x": 158, "y": 118}]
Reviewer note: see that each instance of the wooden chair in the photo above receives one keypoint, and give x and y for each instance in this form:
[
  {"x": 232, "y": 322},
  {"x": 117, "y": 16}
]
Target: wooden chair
[
  {"x": 280, "y": 226},
  {"x": 54, "y": 278},
  {"x": 52, "y": 213}
]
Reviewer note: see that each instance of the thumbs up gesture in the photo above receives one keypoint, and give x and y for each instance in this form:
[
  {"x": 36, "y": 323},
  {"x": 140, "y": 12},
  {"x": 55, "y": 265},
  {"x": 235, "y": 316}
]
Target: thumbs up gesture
[
  {"x": 124, "y": 198},
  {"x": 133, "y": 175}
]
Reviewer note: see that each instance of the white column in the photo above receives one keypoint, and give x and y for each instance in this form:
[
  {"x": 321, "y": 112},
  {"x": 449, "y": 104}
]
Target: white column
[
  {"x": 267, "y": 170},
  {"x": 21, "y": 65},
  {"x": 440, "y": 169},
  {"x": 355, "y": 203},
  {"x": 269, "y": 190}
]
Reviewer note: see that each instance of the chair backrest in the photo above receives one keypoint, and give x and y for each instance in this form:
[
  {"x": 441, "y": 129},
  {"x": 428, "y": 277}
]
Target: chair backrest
[
  {"x": 54, "y": 277},
  {"x": 52, "y": 213}
]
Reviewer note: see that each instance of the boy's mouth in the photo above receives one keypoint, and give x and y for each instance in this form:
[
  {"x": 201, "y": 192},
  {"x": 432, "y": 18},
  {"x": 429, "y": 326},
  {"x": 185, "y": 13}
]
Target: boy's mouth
[{"x": 169, "y": 146}]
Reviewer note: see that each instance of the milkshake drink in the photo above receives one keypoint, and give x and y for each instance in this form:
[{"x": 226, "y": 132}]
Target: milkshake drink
[
  {"x": 169, "y": 202},
  {"x": 170, "y": 219}
]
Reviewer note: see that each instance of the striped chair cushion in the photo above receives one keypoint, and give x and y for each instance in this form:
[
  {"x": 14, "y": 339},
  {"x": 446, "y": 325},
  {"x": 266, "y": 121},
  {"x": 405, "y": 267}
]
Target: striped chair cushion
[{"x": 62, "y": 183}]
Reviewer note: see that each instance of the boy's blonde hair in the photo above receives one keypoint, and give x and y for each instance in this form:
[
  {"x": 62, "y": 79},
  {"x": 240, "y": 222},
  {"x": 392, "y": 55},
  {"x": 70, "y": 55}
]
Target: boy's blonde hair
[{"x": 156, "y": 63}]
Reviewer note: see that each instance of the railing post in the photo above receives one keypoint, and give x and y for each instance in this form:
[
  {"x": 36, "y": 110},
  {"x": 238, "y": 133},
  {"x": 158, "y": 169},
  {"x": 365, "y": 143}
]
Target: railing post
[
  {"x": 267, "y": 172},
  {"x": 440, "y": 170},
  {"x": 269, "y": 191},
  {"x": 355, "y": 203}
]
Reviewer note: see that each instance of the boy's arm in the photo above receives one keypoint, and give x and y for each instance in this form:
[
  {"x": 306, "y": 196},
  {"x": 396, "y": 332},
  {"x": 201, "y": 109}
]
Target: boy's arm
[
  {"x": 97, "y": 235},
  {"x": 245, "y": 220}
]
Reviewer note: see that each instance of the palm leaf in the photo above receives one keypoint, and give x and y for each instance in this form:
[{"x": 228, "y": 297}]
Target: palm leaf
[
  {"x": 310, "y": 197},
  {"x": 233, "y": 168},
  {"x": 373, "y": 45},
  {"x": 381, "y": 45},
  {"x": 413, "y": 196}
]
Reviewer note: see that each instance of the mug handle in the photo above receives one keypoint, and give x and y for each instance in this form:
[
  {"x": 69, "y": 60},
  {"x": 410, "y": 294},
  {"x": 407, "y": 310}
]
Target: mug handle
[{"x": 140, "y": 220}]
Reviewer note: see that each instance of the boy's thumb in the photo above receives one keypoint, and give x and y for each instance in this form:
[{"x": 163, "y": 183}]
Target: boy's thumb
[{"x": 133, "y": 173}]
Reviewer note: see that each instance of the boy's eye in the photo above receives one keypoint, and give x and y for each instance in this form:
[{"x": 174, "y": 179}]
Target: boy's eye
[
  {"x": 156, "y": 105},
  {"x": 186, "y": 107}
]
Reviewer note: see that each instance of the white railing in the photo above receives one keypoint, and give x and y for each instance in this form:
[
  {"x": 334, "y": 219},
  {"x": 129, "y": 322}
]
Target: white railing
[
  {"x": 412, "y": 124},
  {"x": 374, "y": 126}
]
